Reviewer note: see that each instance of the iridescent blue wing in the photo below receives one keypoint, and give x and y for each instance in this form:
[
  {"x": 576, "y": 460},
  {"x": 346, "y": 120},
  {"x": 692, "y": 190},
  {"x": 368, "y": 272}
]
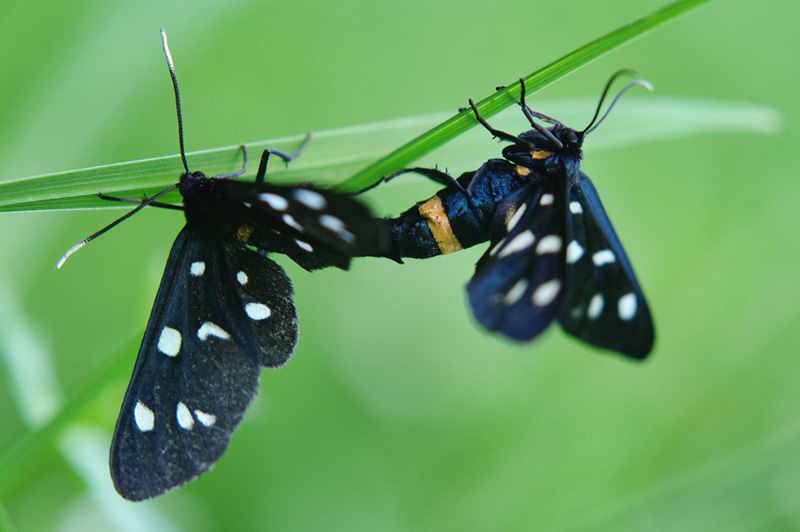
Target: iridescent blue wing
[{"x": 518, "y": 283}]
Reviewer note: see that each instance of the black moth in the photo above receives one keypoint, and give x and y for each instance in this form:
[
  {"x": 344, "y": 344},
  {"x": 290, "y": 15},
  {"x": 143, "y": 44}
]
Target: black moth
[
  {"x": 222, "y": 311},
  {"x": 554, "y": 254}
]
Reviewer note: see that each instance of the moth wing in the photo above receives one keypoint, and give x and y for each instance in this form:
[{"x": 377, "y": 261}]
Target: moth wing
[
  {"x": 314, "y": 227},
  {"x": 518, "y": 283},
  {"x": 603, "y": 304},
  {"x": 221, "y": 312}
]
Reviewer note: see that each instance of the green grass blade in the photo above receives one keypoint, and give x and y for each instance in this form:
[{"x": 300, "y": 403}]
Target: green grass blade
[
  {"x": 495, "y": 103},
  {"x": 337, "y": 152},
  {"x": 330, "y": 154}
]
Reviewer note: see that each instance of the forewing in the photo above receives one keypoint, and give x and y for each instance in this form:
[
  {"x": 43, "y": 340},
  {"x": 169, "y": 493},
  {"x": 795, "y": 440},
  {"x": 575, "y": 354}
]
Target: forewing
[
  {"x": 518, "y": 282},
  {"x": 221, "y": 312},
  {"x": 604, "y": 304},
  {"x": 314, "y": 227}
]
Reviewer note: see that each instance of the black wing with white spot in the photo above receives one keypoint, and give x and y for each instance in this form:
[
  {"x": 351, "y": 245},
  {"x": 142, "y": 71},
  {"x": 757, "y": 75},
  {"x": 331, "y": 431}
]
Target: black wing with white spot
[
  {"x": 603, "y": 304},
  {"x": 518, "y": 283},
  {"x": 314, "y": 227},
  {"x": 221, "y": 312}
]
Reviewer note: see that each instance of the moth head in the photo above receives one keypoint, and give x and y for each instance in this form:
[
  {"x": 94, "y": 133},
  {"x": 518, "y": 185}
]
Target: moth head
[{"x": 541, "y": 152}]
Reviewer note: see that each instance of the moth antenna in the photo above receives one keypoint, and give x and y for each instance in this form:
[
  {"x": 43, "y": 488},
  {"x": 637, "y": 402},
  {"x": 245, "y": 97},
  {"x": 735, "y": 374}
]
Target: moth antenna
[
  {"x": 593, "y": 123},
  {"x": 612, "y": 79},
  {"x": 177, "y": 97},
  {"x": 147, "y": 201},
  {"x": 637, "y": 82}
]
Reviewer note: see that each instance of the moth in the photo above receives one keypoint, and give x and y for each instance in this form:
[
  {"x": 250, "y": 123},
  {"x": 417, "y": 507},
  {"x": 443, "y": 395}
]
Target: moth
[
  {"x": 553, "y": 255},
  {"x": 222, "y": 312}
]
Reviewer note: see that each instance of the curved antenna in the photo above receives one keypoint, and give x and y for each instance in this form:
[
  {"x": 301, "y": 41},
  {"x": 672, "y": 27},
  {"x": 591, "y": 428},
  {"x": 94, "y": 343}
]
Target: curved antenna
[
  {"x": 177, "y": 96},
  {"x": 637, "y": 82},
  {"x": 614, "y": 76},
  {"x": 151, "y": 200}
]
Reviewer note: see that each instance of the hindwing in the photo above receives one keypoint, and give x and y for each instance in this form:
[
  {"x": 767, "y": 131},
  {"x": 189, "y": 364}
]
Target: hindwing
[
  {"x": 221, "y": 312},
  {"x": 518, "y": 283}
]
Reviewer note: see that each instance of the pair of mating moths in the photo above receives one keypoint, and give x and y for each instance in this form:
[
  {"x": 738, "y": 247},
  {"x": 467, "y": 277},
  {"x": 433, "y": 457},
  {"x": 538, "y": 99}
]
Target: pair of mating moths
[{"x": 224, "y": 309}]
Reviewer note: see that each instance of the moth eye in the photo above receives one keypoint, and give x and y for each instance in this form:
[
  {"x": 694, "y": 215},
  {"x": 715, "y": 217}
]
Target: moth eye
[{"x": 569, "y": 136}]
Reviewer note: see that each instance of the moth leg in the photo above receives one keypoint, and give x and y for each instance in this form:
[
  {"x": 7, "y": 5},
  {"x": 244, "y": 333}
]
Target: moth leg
[
  {"x": 495, "y": 132},
  {"x": 240, "y": 171},
  {"x": 262, "y": 167},
  {"x": 431, "y": 173},
  {"x": 140, "y": 201}
]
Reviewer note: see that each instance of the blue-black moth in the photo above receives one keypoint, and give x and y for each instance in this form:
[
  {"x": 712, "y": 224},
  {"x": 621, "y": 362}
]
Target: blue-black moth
[
  {"x": 223, "y": 310},
  {"x": 554, "y": 254}
]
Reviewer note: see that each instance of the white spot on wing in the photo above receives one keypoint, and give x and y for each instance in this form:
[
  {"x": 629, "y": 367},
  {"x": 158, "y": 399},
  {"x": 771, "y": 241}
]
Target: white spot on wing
[
  {"x": 143, "y": 417},
  {"x": 626, "y": 306},
  {"x": 516, "y": 292},
  {"x": 304, "y": 245},
  {"x": 546, "y": 293},
  {"x": 496, "y": 247},
  {"x": 278, "y": 203},
  {"x": 575, "y": 207},
  {"x": 602, "y": 257},
  {"x": 574, "y": 252},
  {"x": 309, "y": 198},
  {"x": 596, "y": 305},
  {"x": 549, "y": 244},
  {"x": 512, "y": 223},
  {"x": 184, "y": 416},
  {"x": 169, "y": 341},
  {"x": 211, "y": 329},
  {"x": 206, "y": 419},
  {"x": 242, "y": 278},
  {"x": 197, "y": 268},
  {"x": 289, "y": 220},
  {"x": 547, "y": 199},
  {"x": 331, "y": 222},
  {"x": 522, "y": 241},
  {"x": 247, "y": 204},
  {"x": 257, "y": 311},
  {"x": 336, "y": 225}
]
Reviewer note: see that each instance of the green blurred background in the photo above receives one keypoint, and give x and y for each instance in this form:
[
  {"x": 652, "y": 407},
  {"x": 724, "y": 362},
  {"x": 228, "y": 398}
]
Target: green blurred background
[{"x": 397, "y": 412}]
